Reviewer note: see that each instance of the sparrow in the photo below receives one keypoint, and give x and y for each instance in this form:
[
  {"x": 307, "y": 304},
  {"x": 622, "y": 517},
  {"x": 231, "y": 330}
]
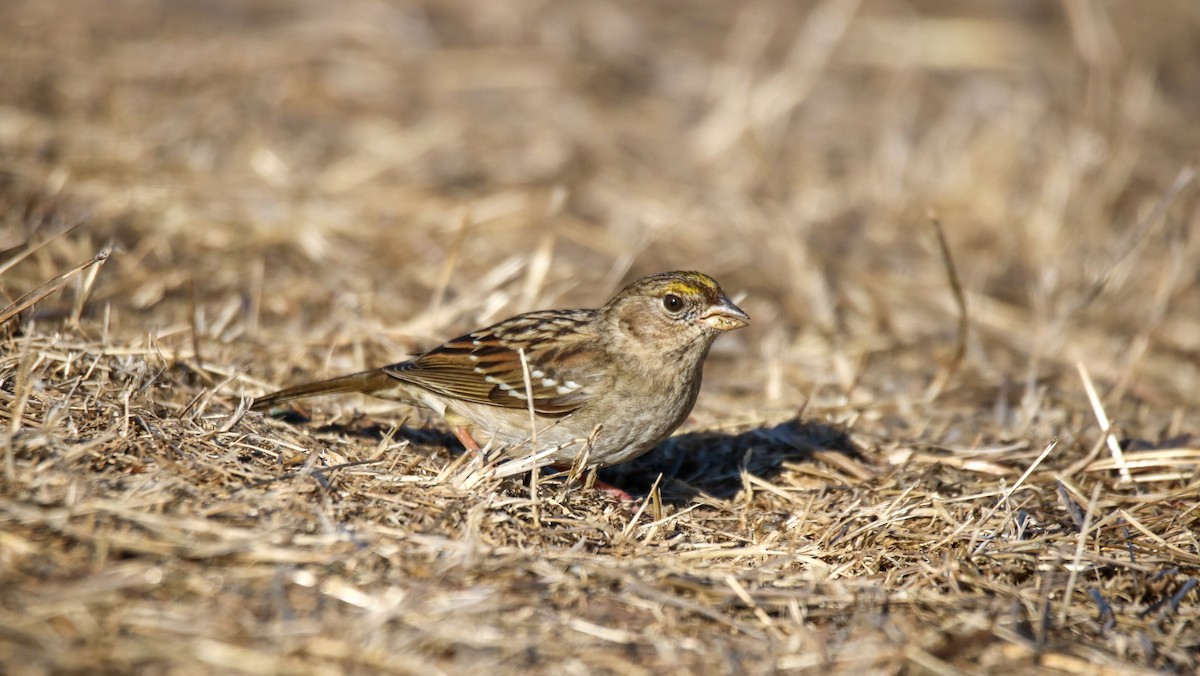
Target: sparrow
[{"x": 628, "y": 371}]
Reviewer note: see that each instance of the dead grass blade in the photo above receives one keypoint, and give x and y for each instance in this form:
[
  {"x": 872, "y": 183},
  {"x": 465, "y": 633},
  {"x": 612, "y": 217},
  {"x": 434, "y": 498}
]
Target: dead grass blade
[
  {"x": 29, "y": 250},
  {"x": 50, "y": 286}
]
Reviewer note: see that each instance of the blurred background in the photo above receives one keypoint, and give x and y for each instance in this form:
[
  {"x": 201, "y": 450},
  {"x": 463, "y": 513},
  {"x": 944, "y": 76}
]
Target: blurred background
[{"x": 368, "y": 176}]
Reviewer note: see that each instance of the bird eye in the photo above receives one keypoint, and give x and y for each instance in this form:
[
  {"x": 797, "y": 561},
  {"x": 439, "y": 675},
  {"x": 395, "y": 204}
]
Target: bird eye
[{"x": 672, "y": 302}]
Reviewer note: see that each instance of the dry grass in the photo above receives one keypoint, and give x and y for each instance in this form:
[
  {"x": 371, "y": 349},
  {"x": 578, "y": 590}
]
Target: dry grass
[{"x": 294, "y": 189}]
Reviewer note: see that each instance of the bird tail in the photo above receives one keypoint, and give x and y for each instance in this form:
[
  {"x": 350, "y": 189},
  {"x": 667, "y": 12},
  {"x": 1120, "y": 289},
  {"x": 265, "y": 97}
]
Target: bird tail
[{"x": 363, "y": 382}]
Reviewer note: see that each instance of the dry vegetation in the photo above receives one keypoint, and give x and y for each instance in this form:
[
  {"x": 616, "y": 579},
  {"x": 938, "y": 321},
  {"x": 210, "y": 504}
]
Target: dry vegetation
[{"x": 291, "y": 189}]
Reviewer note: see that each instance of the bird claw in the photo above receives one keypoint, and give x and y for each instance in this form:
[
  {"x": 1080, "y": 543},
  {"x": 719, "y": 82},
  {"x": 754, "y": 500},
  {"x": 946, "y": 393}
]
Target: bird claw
[{"x": 620, "y": 494}]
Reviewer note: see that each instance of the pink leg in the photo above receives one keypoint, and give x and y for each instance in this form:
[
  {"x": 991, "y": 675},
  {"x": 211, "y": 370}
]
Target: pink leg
[
  {"x": 612, "y": 490},
  {"x": 468, "y": 442}
]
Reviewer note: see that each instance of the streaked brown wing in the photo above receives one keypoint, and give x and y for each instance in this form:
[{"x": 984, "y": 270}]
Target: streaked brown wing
[{"x": 484, "y": 367}]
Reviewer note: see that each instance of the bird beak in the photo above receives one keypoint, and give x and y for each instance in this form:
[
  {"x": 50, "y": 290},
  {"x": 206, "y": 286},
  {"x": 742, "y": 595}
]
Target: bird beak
[{"x": 725, "y": 316}]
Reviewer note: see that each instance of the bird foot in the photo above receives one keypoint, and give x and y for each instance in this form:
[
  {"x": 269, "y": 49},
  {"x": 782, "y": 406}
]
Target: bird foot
[{"x": 619, "y": 494}]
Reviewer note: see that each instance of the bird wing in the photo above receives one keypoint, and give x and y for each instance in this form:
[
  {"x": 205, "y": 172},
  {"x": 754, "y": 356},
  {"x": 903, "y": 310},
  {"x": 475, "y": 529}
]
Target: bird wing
[{"x": 485, "y": 367}]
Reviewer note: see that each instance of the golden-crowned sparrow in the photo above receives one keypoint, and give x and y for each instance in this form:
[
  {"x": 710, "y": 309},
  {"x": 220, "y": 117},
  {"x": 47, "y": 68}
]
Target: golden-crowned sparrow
[{"x": 631, "y": 367}]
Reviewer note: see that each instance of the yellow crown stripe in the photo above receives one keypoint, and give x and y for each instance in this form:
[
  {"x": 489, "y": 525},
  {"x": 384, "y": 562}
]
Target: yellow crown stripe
[{"x": 690, "y": 286}]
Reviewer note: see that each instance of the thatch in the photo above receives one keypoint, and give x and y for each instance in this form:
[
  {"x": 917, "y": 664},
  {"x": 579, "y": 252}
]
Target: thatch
[{"x": 976, "y": 459}]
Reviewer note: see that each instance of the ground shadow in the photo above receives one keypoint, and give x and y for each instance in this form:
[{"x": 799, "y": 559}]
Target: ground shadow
[
  {"x": 712, "y": 462},
  {"x": 692, "y": 463}
]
